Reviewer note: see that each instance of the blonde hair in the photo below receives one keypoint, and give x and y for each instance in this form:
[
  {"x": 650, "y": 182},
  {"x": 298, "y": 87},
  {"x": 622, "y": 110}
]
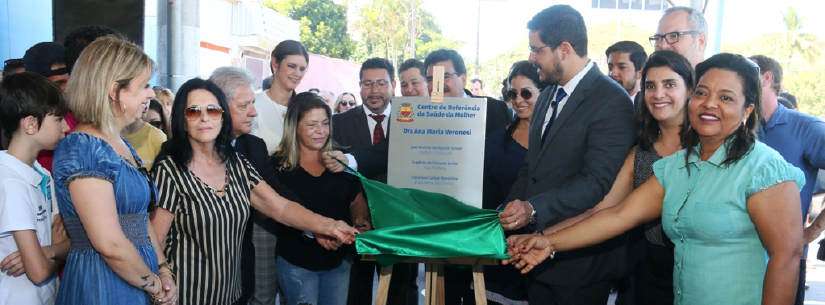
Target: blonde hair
[
  {"x": 165, "y": 92},
  {"x": 300, "y": 105},
  {"x": 104, "y": 61}
]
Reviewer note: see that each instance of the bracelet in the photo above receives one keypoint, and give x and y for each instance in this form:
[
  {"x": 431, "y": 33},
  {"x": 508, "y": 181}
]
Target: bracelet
[
  {"x": 174, "y": 277},
  {"x": 155, "y": 299}
]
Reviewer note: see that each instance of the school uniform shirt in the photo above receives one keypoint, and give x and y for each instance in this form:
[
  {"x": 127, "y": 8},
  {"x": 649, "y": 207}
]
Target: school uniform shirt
[{"x": 23, "y": 206}]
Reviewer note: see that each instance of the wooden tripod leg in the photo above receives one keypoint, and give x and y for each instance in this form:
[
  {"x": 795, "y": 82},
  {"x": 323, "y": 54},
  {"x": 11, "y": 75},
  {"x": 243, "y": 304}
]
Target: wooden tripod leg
[
  {"x": 478, "y": 284},
  {"x": 383, "y": 285},
  {"x": 428, "y": 288},
  {"x": 439, "y": 285}
]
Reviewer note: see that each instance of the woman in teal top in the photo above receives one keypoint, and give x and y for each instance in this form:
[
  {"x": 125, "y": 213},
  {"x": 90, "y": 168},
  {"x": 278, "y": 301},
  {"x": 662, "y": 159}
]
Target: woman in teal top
[{"x": 727, "y": 202}]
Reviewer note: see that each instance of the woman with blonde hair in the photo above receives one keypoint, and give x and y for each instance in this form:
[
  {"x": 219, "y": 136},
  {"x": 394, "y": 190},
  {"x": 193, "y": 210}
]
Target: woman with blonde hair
[
  {"x": 166, "y": 98},
  {"x": 308, "y": 272},
  {"x": 344, "y": 102},
  {"x": 102, "y": 188}
]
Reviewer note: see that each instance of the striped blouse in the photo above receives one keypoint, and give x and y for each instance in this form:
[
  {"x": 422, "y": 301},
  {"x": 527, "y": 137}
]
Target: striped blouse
[{"x": 203, "y": 245}]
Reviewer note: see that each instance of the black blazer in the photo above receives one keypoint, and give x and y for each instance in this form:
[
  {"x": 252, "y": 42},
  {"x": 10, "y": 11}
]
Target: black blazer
[
  {"x": 372, "y": 160},
  {"x": 350, "y": 129},
  {"x": 574, "y": 169}
]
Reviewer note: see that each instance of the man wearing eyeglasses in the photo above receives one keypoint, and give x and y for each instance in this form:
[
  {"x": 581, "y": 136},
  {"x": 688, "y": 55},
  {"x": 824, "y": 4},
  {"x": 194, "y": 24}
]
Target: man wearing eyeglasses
[
  {"x": 580, "y": 135},
  {"x": 684, "y": 30}
]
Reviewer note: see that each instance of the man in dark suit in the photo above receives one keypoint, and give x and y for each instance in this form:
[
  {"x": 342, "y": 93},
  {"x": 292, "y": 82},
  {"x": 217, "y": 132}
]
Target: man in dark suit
[
  {"x": 361, "y": 127},
  {"x": 260, "y": 277},
  {"x": 581, "y": 132},
  {"x": 372, "y": 161}
]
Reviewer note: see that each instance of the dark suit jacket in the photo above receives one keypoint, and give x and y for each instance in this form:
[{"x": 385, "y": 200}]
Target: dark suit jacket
[
  {"x": 350, "y": 129},
  {"x": 372, "y": 160},
  {"x": 575, "y": 169}
]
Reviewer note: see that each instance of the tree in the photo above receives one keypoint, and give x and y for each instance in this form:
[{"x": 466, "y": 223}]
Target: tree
[
  {"x": 799, "y": 44},
  {"x": 384, "y": 30},
  {"x": 323, "y": 25}
]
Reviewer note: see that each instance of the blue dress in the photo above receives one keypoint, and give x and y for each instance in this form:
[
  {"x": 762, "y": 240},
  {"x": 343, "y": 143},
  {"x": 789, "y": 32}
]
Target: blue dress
[{"x": 87, "y": 279}]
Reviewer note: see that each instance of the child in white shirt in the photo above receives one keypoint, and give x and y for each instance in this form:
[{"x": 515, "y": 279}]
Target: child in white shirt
[{"x": 31, "y": 112}]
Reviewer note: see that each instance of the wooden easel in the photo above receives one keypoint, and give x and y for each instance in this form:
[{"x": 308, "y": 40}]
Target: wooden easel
[
  {"x": 434, "y": 275},
  {"x": 435, "y": 266}
]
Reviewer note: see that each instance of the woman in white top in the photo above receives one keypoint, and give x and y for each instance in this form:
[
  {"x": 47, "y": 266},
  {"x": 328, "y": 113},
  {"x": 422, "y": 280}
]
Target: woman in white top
[{"x": 289, "y": 64}]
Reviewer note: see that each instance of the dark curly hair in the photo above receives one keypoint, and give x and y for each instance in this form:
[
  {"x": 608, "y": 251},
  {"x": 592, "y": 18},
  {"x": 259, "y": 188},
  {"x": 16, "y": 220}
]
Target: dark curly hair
[{"x": 743, "y": 138}]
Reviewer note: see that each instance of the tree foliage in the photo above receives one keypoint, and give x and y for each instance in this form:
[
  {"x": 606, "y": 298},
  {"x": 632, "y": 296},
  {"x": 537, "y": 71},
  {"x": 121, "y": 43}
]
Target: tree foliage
[
  {"x": 800, "y": 55},
  {"x": 323, "y": 25},
  {"x": 384, "y": 30}
]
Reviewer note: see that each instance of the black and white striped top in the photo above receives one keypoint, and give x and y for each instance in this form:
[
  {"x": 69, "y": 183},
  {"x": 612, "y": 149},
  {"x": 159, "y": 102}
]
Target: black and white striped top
[{"x": 203, "y": 245}]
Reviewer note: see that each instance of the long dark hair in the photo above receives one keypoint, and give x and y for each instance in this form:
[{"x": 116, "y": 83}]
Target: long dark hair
[
  {"x": 647, "y": 127},
  {"x": 180, "y": 150},
  {"x": 744, "y": 137},
  {"x": 528, "y": 70}
]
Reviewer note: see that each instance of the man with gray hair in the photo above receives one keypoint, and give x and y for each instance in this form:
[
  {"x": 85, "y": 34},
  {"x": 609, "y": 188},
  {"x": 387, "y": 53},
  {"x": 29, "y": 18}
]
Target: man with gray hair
[
  {"x": 259, "y": 280},
  {"x": 684, "y": 30}
]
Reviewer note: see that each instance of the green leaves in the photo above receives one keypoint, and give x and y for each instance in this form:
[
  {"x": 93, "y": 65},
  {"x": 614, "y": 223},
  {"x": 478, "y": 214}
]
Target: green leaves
[{"x": 323, "y": 25}]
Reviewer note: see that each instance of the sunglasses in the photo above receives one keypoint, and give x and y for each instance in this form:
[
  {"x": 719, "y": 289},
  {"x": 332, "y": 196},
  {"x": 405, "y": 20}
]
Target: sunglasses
[
  {"x": 350, "y": 103},
  {"x": 525, "y": 94},
  {"x": 193, "y": 113},
  {"x": 156, "y": 124}
]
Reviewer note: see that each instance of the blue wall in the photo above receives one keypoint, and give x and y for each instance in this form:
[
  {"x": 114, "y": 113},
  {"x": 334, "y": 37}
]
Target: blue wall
[{"x": 23, "y": 23}]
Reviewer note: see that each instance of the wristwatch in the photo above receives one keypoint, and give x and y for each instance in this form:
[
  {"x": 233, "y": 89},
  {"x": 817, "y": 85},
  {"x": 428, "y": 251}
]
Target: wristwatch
[{"x": 533, "y": 218}]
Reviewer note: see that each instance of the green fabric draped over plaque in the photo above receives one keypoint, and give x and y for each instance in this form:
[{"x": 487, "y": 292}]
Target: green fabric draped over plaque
[{"x": 415, "y": 223}]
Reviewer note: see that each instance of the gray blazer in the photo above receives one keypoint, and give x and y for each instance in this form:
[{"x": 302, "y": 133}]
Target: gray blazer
[{"x": 575, "y": 169}]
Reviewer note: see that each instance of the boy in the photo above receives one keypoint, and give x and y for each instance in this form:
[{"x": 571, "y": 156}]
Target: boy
[{"x": 31, "y": 112}]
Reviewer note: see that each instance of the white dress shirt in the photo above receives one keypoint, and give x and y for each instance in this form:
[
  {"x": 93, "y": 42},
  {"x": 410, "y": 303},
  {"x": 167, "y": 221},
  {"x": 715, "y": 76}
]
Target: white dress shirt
[{"x": 568, "y": 88}]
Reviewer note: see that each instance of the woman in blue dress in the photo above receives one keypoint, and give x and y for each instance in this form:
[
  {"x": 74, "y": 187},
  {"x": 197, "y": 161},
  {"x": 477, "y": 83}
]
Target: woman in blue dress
[
  {"x": 729, "y": 203},
  {"x": 102, "y": 189}
]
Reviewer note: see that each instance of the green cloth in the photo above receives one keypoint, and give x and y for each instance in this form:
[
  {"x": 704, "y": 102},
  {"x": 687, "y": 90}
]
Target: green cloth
[{"x": 415, "y": 223}]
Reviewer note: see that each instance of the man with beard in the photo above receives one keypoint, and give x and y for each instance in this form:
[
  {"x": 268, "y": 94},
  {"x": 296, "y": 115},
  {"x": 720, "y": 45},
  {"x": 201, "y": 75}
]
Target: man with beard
[
  {"x": 360, "y": 127},
  {"x": 582, "y": 130},
  {"x": 625, "y": 60},
  {"x": 372, "y": 160}
]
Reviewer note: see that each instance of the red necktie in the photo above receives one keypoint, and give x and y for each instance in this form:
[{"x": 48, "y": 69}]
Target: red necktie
[{"x": 378, "y": 132}]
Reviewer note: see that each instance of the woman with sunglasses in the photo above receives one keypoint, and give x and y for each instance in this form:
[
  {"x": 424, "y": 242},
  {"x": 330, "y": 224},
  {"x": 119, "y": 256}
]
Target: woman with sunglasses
[
  {"x": 157, "y": 117},
  {"x": 729, "y": 203},
  {"x": 102, "y": 193},
  {"x": 205, "y": 191},
  {"x": 346, "y": 101},
  {"x": 504, "y": 154}
]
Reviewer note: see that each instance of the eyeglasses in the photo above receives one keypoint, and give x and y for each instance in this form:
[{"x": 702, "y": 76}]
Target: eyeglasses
[
  {"x": 525, "y": 94},
  {"x": 533, "y": 50},
  {"x": 367, "y": 84},
  {"x": 156, "y": 124},
  {"x": 446, "y": 76},
  {"x": 193, "y": 113},
  {"x": 350, "y": 103},
  {"x": 670, "y": 38}
]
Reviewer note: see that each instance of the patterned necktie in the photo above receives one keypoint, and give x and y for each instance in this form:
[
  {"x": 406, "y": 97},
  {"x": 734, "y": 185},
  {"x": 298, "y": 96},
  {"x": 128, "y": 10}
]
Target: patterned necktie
[
  {"x": 560, "y": 94},
  {"x": 378, "y": 132}
]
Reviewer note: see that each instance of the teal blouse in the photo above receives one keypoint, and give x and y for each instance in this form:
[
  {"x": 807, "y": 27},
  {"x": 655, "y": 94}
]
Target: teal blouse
[{"x": 718, "y": 258}]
